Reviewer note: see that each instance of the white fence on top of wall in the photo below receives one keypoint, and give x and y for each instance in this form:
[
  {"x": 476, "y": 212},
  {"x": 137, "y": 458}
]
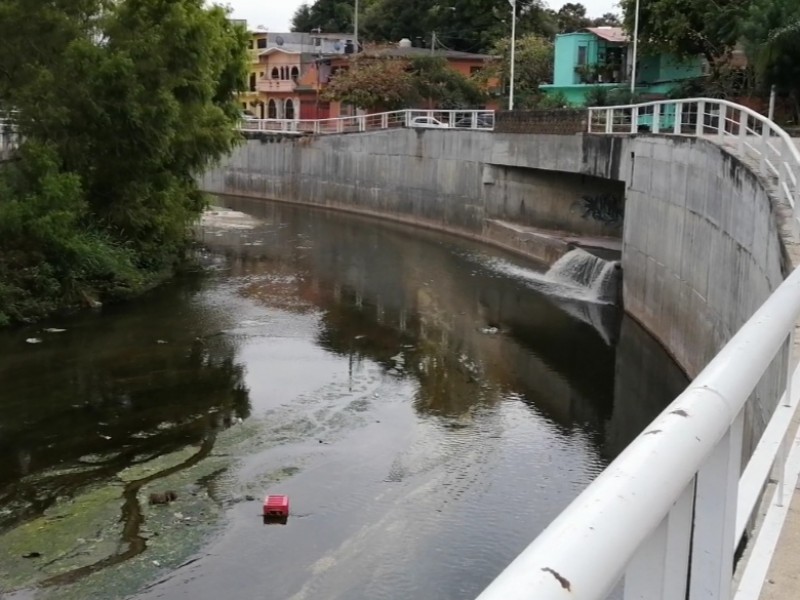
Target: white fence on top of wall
[{"x": 422, "y": 119}]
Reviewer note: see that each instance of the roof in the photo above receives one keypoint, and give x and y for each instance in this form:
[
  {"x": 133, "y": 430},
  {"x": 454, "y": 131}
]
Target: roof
[
  {"x": 399, "y": 52},
  {"x": 610, "y": 34}
]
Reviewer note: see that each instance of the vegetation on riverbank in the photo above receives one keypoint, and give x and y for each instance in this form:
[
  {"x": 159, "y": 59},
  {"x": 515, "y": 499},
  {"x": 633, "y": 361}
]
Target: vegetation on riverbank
[{"x": 120, "y": 105}]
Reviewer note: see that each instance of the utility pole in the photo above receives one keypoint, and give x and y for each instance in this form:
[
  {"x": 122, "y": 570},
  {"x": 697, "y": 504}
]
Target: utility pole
[
  {"x": 433, "y": 43},
  {"x": 635, "y": 49},
  {"x": 513, "y": 4},
  {"x": 355, "y": 28}
]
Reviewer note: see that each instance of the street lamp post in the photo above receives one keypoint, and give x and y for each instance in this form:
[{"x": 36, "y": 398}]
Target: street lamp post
[
  {"x": 355, "y": 29},
  {"x": 635, "y": 48},
  {"x": 513, "y": 4}
]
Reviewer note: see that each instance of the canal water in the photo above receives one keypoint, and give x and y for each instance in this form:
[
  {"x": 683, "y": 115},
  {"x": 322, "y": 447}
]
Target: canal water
[{"x": 428, "y": 405}]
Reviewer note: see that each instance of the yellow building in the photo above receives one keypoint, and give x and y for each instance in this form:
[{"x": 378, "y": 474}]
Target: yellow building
[{"x": 251, "y": 100}]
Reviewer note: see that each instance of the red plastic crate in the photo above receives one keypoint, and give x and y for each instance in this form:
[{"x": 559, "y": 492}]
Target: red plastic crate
[{"x": 276, "y": 506}]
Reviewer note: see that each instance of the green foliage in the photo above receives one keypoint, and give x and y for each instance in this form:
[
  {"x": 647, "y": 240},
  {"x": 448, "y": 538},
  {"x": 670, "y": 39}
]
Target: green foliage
[
  {"x": 552, "y": 101},
  {"x": 435, "y": 81},
  {"x": 598, "y": 96},
  {"x": 533, "y": 67},
  {"x": 376, "y": 84},
  {"x": 466, "y": 25},
  {"x": 687, "y": 27},
  {"x": 390, "y": 84},
  {"x": 331, "y": 16},
  {"x": 120, "y": 110}
]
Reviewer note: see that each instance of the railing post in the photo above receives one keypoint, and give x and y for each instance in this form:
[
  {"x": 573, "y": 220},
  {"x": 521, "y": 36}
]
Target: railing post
[
  {"x": 634, "y": 119},
  {"x": 762, "y": 163},
  {"x": 742, "y": 131},
  {"x": 779, "y": 470},
  {"x": 660, "y": 568},
  {"x": 656, "y": 118},
  {"x": 407, "y": 119},
  {"x": 677, "y": 126},
  {"x": 715, "y": 518},
  {"x": 609, "y": 120},
  {"x": 589, "y": 123},
  {"x": 385, "y": 121},
  {"x": 723, "y": 116},
  {"x": 701, "y": 118},
  {"x": 362, "y": 123}
]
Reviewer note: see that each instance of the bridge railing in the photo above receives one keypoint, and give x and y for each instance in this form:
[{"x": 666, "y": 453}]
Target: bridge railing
[
  {"x": 436, "y": 119},
  {"x": 755, "y": 138},
  {"x": 667, "y": 515}
]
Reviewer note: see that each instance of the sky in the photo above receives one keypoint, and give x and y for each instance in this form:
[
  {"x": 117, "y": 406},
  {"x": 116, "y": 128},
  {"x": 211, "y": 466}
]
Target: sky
[{"x": 276, "y": 15}]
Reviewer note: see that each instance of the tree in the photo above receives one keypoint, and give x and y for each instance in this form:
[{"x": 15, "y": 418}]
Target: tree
[
  {"x": 123, "y": 104},
  {"x": 465, "y": 25},
  {"x": 435, "y": 81},
  {"x": 392, "y": 84},
  {"x": 572, "y": 17},
  {"x": 368, "y": 83},
  {"x": 686, "y": 28},
  {"x": 533, "y": 67},
  {"x": 332, "y": 16},
  {"x": 608, "y": 19}
]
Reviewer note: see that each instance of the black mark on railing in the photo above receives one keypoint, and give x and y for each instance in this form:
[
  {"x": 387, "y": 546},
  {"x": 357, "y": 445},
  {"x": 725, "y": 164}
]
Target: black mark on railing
[
  {"x": 680, "y": 412},
  {"x": 562, "y": 580}
]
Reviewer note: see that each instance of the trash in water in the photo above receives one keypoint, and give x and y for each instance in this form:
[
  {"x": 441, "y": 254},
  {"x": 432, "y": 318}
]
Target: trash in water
[
  {"x": 34, "y": 340},
  {"x": 276, "y": 510},
  {"x": 489, "y": 330},
  {"x": 54, "y": 330},
  {"x": 162, "y": 342}
]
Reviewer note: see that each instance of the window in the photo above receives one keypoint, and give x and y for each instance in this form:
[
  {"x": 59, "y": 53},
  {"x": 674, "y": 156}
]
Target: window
[
  {"x": 288, "y": 110},
  {"x": 582, "y": 55},
  {"x": 262, "y": 42},
  {"x": 295, "y": 73},
  {"x": 272, "y": 110},
  {"x": 317, "y": 41},
  {"x": 250, "y": 44},
  {"x": 252, "y": 82},
  {"x": 275, "y": 73}
]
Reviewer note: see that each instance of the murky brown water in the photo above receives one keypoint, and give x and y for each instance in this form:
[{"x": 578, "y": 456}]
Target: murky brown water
[{"x": 426, "y": 410}]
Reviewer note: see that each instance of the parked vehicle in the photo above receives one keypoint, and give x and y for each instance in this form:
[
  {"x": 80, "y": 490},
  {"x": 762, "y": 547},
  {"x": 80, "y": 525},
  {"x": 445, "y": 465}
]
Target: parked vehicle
[
  {"x": 427, "y": 122},
  {"x": 481, "y": 122}
]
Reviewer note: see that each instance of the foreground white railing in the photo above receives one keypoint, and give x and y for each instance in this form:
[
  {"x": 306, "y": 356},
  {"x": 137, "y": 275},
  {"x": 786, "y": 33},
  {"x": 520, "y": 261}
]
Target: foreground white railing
[
  {"x": 426, "y": 119},
  {"x": 752, "y": 136},
  {"x": 667, "y": 515},
  {"x": 675, "y": 488}
]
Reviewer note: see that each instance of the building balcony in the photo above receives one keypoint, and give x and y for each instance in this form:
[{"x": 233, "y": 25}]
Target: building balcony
[{"x": 276, "y": 85}]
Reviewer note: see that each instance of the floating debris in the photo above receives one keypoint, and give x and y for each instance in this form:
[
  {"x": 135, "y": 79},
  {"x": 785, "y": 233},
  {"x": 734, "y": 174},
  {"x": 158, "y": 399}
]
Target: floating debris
[
  {"x": 34, "y": 340},
  {"x": 32, "y": 555},
  {"x": 162, "y": 497},
  {"x": 490, "y": 330},
  {"x": 54, "y": 330},
  {"x": 162, "y": 342}
]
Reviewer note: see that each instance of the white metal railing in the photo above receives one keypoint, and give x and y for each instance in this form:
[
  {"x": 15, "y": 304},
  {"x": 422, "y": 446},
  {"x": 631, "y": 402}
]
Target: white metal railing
[
  {"x": 677, "y": 487},
  {"x": 667, "y": 515},
  {"x": 428, "y": 119},
  {"x": 752, "y": 136}
]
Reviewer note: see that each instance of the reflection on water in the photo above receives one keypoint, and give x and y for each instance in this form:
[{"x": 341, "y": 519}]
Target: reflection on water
[
  {"x": 401, "y": 382},
  {"x": 109, "y": 392}
]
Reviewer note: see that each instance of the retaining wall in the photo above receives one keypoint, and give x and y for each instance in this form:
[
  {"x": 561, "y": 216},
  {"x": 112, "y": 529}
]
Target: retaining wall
[{"x": 701, "y": 242}]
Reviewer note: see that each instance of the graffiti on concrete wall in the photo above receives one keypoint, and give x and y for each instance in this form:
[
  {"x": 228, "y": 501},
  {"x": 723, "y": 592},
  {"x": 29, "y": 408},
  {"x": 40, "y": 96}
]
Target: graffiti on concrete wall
[{"x": 605, "y": 208}]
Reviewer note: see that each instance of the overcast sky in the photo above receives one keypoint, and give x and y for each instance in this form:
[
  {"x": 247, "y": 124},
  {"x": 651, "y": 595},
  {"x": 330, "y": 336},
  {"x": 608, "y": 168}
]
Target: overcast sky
[{"x": 276, "y": 15}]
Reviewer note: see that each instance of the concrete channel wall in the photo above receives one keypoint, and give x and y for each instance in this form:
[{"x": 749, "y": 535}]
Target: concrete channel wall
[
  {"x": 701, "y": 242},
  {"x": 430, "y": 178}
]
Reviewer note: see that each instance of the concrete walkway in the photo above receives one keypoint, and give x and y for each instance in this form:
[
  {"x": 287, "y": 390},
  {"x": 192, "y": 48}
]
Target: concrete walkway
[{"x": 783, "y": 577}]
